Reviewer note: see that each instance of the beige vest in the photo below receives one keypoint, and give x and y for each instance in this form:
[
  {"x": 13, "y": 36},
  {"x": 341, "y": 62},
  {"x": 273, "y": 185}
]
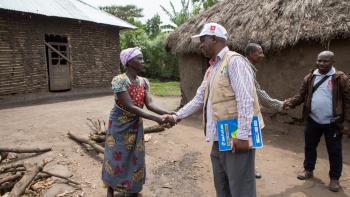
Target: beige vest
[{"x": 223, "y": 99}]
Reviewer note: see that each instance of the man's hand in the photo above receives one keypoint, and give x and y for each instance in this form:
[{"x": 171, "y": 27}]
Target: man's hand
[{"x": 240, "y": 145}]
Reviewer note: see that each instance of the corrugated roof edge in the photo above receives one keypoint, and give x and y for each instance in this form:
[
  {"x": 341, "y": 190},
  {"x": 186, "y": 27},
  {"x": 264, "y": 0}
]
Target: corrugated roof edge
[
  {"x": 132, "y": 26},
  {"x": 127, "y": 25}
]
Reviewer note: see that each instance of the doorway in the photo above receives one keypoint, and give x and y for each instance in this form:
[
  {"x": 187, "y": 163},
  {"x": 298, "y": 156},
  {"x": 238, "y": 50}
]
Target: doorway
[{"x": 58, "y": 62}]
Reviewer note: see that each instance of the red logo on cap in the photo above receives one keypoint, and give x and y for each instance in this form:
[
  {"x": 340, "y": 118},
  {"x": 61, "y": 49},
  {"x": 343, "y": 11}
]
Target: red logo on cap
[{"x": 212, "y": 28}]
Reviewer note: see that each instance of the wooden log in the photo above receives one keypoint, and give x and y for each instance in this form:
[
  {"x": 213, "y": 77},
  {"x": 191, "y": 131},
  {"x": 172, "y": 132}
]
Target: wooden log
[
  {"x": 7, "y": 185},
  {"x": 41, "y": 176},
  {"x": 4, "y": 168},
  {"x": 154, "y": 129},
  {"x": 25, "y": 150},
  {"x": 15, "y": 170},
  {"x": 3, "y": 156},
  {"x": 21, "y": 185},
  {"x": 61, "y": 177},
  {"x": 11, "y": 178},
  {"x": 102, "y": 138},
  {"x": 98, "y": 126},
  {"x": 97, "y": 147},
  {"x": 97, "y": 138}
]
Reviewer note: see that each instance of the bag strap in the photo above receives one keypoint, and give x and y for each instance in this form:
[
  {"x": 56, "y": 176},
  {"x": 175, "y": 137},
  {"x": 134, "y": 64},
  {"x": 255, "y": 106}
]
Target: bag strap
[{"x": 319, "y": 83}]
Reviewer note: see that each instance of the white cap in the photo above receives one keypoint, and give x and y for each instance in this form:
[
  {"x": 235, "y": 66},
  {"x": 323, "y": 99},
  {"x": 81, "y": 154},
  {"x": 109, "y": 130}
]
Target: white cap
[{"x": 212, "y": 29}]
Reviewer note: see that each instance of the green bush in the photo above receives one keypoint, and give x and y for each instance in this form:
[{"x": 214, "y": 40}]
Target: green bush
[{"x": 159, "y": 64}]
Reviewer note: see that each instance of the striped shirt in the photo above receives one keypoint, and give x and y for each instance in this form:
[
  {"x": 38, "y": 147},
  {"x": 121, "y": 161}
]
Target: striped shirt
[
  {"x": 241, "y": 78},
  {"x": 264, "y": 99}
]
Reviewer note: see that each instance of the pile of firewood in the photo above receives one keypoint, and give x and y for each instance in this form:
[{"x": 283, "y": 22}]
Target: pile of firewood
[
  {"x": 97, "y": 136},
  {"x": 98, "y": 129},
  {"x": 19, "y": 178}
]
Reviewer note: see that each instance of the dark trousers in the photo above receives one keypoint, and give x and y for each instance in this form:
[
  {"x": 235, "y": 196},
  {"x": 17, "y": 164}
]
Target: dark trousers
[
  {"x": 234, "y": 173},
  {"x": 313, "y": 133}
]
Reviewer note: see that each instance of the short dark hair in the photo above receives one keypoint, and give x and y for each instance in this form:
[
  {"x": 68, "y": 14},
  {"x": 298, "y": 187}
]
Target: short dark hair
[{"x": 251, "y": 48}]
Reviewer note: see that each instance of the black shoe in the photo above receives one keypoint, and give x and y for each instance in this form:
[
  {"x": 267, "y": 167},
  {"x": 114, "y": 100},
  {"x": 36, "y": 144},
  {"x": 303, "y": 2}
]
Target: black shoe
[
  {"x": 334, "y": 185},
  {"x": 305, "y": 175}
]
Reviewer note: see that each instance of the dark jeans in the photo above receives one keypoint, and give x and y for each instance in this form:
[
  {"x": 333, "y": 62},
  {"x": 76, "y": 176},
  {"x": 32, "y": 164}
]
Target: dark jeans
[{"x": 313, "y": 133}]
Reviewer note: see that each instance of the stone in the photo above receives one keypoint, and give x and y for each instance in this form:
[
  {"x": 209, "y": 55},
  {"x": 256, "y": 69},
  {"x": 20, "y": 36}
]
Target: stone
[
  {"x": 60, "y": 170},
  {"x": 58, "y": 189}
]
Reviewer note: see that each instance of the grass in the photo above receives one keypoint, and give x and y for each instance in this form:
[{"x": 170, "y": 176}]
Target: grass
[{"x": 171, "y": 88}]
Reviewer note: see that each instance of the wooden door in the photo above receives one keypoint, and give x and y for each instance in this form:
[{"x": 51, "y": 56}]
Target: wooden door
[{"x": 58, "y": 66}]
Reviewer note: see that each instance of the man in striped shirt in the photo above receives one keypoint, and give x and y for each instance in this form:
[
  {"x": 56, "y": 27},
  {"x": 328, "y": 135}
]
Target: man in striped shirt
[
  {"x": 255, "y": 55},
  {"x": 230, "y": 82}
]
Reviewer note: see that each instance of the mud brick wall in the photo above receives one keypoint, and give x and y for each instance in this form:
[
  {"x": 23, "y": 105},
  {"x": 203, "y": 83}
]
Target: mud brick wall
[
  {"x": 94, "y": 52},
  {"x": 280, "y": 75}
]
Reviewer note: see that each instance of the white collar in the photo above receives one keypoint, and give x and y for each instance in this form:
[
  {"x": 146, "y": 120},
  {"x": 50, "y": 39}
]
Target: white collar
[
  {"x": 330, "y": 72},
  {"x": 221, "y": 54}
]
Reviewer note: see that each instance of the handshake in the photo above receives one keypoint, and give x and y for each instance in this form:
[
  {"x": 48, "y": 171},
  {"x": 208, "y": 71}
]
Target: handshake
[
  {"x": 168, "y": 120},
  {"x": 287, "y": 105}
]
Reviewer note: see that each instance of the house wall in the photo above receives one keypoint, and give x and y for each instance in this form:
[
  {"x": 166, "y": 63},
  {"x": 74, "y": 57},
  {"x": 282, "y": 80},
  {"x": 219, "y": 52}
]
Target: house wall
[
  {"x": 281, "y": 74},
  {"x": 192, "y": 69},
  {"x": 94, "y": 52}
]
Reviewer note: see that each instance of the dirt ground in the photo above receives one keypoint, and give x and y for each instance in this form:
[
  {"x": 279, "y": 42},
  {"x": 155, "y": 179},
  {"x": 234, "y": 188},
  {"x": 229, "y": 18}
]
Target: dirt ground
[{"x": 178, "y": 162}]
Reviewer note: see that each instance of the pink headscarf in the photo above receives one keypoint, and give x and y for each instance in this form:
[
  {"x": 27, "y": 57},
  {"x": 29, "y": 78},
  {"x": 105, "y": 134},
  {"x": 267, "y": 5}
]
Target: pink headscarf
[{"x": 127, "y": 54}]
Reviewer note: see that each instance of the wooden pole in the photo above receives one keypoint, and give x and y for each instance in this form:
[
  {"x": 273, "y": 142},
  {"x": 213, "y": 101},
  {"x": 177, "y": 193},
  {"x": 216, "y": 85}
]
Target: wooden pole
[
  {"x": 25, "y": 150},
  {"x": 11, "y": 178},
  {"x": 3, "y": 168},
  {"x": 7, "y": 185},
  {"x": 97, "y": 138},
  {"x": 154, "y": 129},
  {"x": 60, "y": 176},
  {"x": 97, "y": 147},
  {"x": 21, "y": 185},
  {"x": 20, "y": 169},
  {"x": 3, "y": 156}
]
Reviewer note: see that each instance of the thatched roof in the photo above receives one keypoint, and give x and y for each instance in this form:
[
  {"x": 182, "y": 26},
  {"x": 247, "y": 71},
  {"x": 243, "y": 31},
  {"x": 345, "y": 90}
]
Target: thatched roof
[{"x": 275, "y": 24}]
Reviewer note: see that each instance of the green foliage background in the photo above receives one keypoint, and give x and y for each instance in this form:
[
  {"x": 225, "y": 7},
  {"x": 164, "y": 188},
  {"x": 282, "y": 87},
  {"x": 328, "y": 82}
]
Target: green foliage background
[
  {"x": 151, "y": 36},
  {"x": 159, "y": 64}
]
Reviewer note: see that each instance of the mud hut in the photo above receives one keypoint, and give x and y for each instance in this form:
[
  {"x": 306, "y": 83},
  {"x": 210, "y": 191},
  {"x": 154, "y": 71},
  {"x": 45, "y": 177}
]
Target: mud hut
[
  {"x": 292, "y": 33},
  {"x": 56, "y": 45}
]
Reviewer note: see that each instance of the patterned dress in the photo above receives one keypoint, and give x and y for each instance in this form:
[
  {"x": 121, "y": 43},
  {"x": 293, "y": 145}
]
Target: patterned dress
[{"x": 124, "y": 156}]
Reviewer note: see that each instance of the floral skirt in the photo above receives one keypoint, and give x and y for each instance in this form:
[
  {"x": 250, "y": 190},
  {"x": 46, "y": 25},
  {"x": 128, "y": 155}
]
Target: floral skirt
[{"x": 124, "y": 156}]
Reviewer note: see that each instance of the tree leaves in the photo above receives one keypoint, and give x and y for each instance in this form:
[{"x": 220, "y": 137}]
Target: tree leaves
[{"x": 124, "y": 12}]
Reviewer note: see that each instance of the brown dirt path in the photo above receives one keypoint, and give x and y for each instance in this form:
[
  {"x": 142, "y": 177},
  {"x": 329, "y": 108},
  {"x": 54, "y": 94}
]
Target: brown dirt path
[{"x": 178, "y": 162}]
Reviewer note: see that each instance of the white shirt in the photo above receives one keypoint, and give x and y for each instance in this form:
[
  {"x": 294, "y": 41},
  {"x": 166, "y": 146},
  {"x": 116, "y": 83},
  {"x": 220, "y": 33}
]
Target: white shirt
[
  {"x": 241, "y": 79},
  {"x": 322, "y": 98}
]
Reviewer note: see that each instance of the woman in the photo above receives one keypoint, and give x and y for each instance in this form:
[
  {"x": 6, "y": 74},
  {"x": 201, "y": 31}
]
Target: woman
[{"x": 124, "y": 157}]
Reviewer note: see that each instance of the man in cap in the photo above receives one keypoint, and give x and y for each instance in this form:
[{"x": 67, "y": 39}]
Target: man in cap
[{"x": 226, "y": 92}]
